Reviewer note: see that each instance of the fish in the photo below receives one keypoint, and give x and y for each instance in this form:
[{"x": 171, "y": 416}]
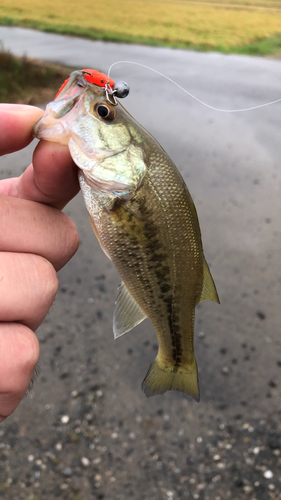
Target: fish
[{"x": 143, "y": 217}]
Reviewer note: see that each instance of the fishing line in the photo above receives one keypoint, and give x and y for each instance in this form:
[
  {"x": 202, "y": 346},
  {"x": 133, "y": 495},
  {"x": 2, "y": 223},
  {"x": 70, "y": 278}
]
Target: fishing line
[{"x": 191, "y": 95}]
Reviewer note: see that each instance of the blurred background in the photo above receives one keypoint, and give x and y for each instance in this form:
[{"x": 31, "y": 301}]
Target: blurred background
[{"x": 88, "y": 431}]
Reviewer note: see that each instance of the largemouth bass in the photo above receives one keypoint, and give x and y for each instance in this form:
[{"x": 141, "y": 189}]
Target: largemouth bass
[{"x": 144, "y": 218}]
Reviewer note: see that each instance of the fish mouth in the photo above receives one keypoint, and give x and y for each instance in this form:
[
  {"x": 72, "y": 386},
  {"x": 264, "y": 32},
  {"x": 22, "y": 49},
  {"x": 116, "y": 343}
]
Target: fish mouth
[
  {"x": 64, "y": 106},
  {"x": 52, "y": 126}
]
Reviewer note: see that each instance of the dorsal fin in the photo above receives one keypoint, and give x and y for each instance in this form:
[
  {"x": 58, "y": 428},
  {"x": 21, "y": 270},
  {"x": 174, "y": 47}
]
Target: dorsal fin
[
  {"x": 127, "y": 313},
  {"x": 209, "y": 291}
]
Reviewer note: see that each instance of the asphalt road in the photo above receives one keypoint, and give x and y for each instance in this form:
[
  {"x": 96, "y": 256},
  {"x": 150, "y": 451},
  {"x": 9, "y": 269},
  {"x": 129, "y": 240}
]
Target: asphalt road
[{"x": 89, "y": 432}]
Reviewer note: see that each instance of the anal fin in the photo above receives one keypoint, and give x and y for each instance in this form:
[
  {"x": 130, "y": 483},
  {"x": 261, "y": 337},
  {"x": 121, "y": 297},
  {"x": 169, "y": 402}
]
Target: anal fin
[
  {"x": 209, "y": 291},
  {"x": 127, "y": 313}
]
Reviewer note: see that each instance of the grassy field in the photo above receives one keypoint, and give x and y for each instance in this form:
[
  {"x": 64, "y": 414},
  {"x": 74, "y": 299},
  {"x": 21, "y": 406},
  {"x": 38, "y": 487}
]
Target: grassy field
[
  {"x": 41, "y": 81},
  {"x": 237, "y": 26}
]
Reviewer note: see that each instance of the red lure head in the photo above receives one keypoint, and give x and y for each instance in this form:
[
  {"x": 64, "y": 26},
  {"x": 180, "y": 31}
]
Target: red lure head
[
  {"x": 92, "y": 76},
  {"x": 100, "y": 79}
]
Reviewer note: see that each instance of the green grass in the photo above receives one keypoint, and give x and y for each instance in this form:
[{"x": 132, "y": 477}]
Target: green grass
[
  {"x": 263, "y": 47},
  {"x": 28, "y": 81}
]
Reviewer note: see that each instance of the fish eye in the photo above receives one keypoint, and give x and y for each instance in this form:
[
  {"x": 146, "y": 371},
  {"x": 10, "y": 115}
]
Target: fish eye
[{"x": 105, "y": 111}]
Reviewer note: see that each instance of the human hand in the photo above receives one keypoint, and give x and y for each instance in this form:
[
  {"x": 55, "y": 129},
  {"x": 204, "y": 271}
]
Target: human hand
[{"x": 36, "y": 240}]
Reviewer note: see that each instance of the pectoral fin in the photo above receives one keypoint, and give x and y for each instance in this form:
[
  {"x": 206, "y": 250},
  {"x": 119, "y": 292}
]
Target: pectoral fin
[
  {"x": 127, "y": 313},
  {"x": 209, "y": 291}
]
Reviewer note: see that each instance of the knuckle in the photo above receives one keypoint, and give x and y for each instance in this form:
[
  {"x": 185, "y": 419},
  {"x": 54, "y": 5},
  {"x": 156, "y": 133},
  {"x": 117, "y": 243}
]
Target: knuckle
[
  {"x": 71, "y": 237},
  {"x": 46, "y": 280},
  {"x": 27, "y": 349},
  {"x": 19, "y": 352}
]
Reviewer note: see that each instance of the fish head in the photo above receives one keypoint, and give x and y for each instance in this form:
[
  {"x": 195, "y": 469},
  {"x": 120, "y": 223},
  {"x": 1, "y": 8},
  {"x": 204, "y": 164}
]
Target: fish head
[{"x": 105, "y": 142}]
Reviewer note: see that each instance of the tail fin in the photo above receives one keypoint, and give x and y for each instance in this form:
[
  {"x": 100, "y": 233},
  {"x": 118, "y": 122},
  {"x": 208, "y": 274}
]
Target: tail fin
[{"x": 161, "y": 378}]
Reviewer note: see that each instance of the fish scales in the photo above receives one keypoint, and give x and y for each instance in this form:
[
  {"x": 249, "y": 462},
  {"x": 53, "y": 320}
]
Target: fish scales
[
  {"x": 138, "y": 248},
  {"x": 146, "y": 222}
]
